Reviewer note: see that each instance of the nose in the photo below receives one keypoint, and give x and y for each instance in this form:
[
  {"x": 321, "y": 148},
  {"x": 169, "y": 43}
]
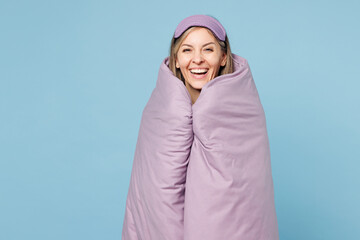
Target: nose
[{"x": 198, "y": 58}]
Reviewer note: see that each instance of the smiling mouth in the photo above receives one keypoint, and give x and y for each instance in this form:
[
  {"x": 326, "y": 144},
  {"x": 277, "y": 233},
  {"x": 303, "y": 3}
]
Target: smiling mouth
[{"x": 200, "y": 71}]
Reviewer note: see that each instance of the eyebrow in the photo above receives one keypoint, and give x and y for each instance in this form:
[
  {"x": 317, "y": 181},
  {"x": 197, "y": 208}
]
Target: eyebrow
[{"x": 203, "y": 45}]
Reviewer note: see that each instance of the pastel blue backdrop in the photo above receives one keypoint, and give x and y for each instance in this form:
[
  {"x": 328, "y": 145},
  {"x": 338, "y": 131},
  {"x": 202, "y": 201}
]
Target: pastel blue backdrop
[{"x": 76, "y": 75}]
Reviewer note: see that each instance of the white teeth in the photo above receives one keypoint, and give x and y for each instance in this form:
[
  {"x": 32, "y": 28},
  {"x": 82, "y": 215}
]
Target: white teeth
[{"x": 198, "y": 70}]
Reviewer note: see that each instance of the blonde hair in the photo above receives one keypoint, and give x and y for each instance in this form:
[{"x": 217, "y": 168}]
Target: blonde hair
[{"x": 175, "y": 45}]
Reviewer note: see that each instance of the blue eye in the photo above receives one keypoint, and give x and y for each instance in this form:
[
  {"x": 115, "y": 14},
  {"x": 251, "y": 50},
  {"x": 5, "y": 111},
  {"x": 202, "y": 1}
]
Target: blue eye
[{"x": 209, "y": 49}]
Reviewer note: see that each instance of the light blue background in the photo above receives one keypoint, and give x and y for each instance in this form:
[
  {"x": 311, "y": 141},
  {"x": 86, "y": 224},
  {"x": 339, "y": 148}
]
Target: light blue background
[{"x": 76, "y": 75}]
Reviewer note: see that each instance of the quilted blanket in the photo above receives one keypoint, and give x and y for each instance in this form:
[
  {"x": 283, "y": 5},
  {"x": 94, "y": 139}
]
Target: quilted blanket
[{"x": 202, "y": 171}]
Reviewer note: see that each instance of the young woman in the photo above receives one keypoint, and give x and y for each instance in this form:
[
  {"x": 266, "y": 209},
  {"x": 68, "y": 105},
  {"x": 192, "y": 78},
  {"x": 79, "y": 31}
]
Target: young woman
[{"x": 202, "y": 162}]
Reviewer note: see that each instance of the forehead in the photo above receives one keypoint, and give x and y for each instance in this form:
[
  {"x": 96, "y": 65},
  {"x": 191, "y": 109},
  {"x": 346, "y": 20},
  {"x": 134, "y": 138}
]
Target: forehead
[{"x": 199, "y": 35}]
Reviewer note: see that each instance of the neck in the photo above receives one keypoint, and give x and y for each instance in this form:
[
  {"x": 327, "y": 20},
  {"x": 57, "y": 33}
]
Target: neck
[{"x": 194, "y": 93}]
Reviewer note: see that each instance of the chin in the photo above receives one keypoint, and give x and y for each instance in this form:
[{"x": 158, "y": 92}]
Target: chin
[{"x": 198, "y": 85}]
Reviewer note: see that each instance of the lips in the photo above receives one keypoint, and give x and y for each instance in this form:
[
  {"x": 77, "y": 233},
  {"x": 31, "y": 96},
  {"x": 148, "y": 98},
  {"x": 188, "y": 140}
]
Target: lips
[
  {"x": 199, "y": 70},
  {"x": 198, "y": 73}
]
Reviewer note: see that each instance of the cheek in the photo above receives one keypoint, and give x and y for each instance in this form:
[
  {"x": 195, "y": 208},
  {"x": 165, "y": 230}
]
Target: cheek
[
  {"x": 182, "y": 61},
  {"x": 215, "y": 62}
]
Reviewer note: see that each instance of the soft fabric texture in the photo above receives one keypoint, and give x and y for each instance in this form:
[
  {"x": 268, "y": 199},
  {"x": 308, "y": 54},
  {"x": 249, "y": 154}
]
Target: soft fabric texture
[{"x": 202, "y": 171}]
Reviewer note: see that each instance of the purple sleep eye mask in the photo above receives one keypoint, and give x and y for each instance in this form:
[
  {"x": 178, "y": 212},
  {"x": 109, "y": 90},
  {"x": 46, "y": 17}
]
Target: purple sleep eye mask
[{"x": 201, "y": 21}]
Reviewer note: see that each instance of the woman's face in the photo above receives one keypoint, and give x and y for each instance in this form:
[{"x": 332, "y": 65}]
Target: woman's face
[{"x": 199, "y": 58}]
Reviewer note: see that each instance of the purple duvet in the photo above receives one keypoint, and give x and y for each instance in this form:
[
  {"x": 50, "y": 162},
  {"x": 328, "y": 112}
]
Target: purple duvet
[{"x": 202, "y": 171}]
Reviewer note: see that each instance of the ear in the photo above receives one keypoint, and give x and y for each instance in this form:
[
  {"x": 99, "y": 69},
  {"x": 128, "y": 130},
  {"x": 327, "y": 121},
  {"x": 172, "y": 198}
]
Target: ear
[
  {"x": 223, "y": 61},
  {"x": 177, "y": 64}
]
